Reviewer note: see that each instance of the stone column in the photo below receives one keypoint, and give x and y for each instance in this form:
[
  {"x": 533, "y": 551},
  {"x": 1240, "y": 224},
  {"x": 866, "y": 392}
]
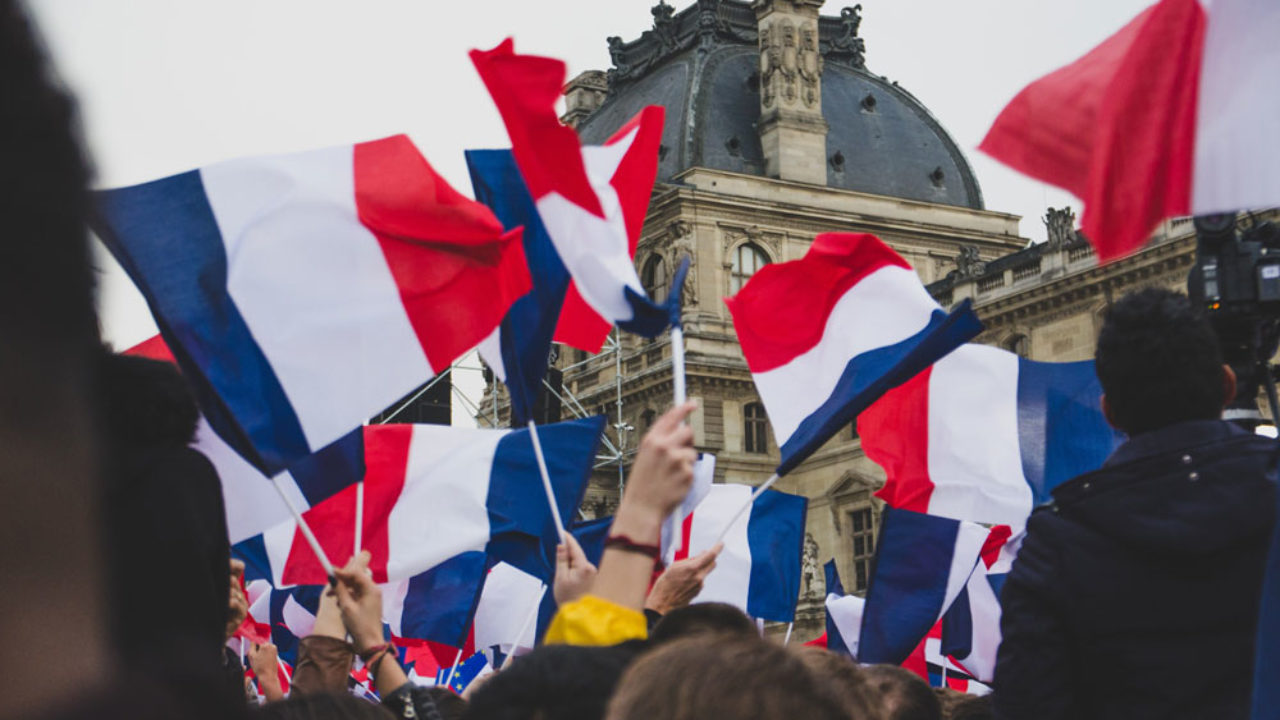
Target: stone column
[
  {"x": 793, "y": 132},
  {"x": 583, "y": 95}
]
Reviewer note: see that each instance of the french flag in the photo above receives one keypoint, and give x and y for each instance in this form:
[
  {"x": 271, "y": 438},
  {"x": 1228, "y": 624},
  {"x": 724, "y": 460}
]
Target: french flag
[
  {"x": 844, "y": 615},
  {"x": 985, "y": 435},
  {"x": 922, "y": 564},
  {"x": 286, "y": 615},
  {"x": 252, "y": 503},
  {"x": 302, "y": 294},
  {"x": 931, "y": 663},
  {"x": 971, "y": 627},
  {"x": 826, "y": 335},
  {"x": 592, "y": 200},
  {"x": 1176, "y": 114},
  {"x": 759, "y": 568},
  {"x": 438, "y": 605},
  {"x": 433, "y": 492}
]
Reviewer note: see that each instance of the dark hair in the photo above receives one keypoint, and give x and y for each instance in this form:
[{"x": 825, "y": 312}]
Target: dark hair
[
  {"x": 711, "y": 617},
  {"x": 841, "y": 674},
  {"x": 554, "y": 682},
  {"x": 450, "y": 705},
  {"x": 1159, "y": 362},
  {"x": 324, "y": 706},
  {"x": 902, "y": 694},
  {"x": 972, "y": 708},
  {"x": 722, "y": 676},
  {"x": 146, "y": 402}
]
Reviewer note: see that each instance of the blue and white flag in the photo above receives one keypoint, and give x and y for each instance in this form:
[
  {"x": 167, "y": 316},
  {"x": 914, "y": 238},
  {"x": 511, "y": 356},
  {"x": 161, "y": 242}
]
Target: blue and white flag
[
  {"x": 844, "y": 614},
  {"x": 474, "y": 667},
  {"x": 923, "y": 562}
]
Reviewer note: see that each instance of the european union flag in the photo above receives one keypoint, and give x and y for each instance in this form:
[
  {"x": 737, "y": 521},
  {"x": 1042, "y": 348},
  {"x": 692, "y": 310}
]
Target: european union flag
[{"x": 467, "y": 671}]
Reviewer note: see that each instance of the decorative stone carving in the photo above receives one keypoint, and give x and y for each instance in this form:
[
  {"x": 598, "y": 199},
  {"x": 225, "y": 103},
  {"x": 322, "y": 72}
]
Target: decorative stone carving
[
  {"x": 847, "y": 42},
  {"x": 810, "y": 65},
  {"x": 1061, "y": 227},
  {"x": 779, "y": 64},
  {"x": 968, "y": 264},
  {"x": 812, "y": 576},
  {"x": 664, "y": 26},
  {"x": 620, "y": 66}
]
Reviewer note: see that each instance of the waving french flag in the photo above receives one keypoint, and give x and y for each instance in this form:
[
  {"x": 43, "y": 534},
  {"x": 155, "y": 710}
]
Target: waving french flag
[
  {"x": 828, "y": 334},
  {"x": 592, "y": 199},
  {"x": 302, "y": 294},
  {"x": 985, "y": 435},
  {"x": 844, "y": 614},
  {"x": 438, "y": 605},
  {"x": 434, "y": 492},
  {"x": 971, "y": 627},
  {"x": 759, "y": 568},
  {"x": 922, "y": 564},
  {"x": 1175, "y": 114}
]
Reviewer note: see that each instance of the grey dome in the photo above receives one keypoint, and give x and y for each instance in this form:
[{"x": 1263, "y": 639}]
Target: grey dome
[{"x": 702, "y": 65}]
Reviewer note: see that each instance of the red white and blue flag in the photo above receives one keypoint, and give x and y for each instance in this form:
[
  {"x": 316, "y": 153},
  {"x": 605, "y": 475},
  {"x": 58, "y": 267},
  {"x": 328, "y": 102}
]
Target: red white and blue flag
[
  {"x": 985, "y": 435},
  {"x": 1176, "y": 114},
  {"x": 592, "y": 199},
  {"x": 433, "y": 493},
  {"x": 844, "y": 615},
  {"x": 302, "y": 294},
  {"x": 971, "y": 627},
  {"x": 828, "y": 334}
]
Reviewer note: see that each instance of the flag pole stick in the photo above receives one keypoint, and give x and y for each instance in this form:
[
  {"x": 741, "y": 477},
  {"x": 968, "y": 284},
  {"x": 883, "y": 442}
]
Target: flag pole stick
[
  {"x": 944, "y": 672},
  {"x": 359, "y": 515},
  {"x": 745, "y": 506},
  {"x": 448, "y": 680},
  {"x": 306, "y": 531},
  {"x": 285, "y": 671},
  {"x": 787, "y": 639},
  {"x": 681, "y": 395},
  {"x": 533, "y": 615},
  {"x": 546, "y": 479}
]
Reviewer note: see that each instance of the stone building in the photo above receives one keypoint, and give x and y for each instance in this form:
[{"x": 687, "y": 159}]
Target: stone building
[{"x": 776, "y": 130}]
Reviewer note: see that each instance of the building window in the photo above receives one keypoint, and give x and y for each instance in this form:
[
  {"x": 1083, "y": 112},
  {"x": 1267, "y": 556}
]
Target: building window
[
  {"x": 747, "y": 261},
  {"x": 853, "y": 429},
  {"x": 1018, "y": 345},
  {"x": 864, "y": 541},
  {"x": 646, "y": 419},
  {"x": 655, "y": 279},
  {"x": 755, "y": 429}
]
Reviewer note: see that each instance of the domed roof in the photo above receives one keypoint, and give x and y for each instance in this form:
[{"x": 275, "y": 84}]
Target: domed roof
[{"x": 703, "y": 66}]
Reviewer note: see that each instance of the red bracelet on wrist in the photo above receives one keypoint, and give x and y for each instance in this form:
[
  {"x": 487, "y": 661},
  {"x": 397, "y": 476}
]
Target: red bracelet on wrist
[
  {"x": 626, "y": 544},
  {"x": 370, "y": 652}
]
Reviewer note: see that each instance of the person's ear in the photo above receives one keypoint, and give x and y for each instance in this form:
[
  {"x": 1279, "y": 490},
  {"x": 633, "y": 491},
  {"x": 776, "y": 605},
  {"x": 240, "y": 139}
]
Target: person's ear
[
  {"x": 1228, "y": 385},
  {"x": 1106, "y": 412}
]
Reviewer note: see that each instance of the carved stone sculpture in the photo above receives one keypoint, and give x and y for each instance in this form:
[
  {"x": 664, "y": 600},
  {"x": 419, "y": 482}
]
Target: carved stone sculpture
[
  {"x": 968, "y": 263},
  {"x": 811, "y": 574},
  {"x": 810, "y": 65},
  {"x": 848, "y": 42},
  {"x": 1061, "y": 226}
]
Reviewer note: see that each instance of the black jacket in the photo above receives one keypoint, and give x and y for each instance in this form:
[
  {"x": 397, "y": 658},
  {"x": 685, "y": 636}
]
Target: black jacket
[{"x": 1135, "y": 592}]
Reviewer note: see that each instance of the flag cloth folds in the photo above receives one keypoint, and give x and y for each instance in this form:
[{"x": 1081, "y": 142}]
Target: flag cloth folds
[
  {"x": 302, "y": 294},
  {"x": 1175, "y": 114},
  {"x": 971, "y": 627},
  {"x": 826, "y": 335},
  {"x": 592, "y": 199},
  {"x": 922, "y": 564},
  {"x": 759, "y": 568},
  {"x": 434, "y": 492},
  {"x": 438, "y": 605},
  {"x": 844, "y": 615},
  {"x": 985, "y": 435}
]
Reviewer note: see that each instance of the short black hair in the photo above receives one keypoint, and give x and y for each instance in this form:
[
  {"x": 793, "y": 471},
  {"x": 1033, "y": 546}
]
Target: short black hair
[
  {"x": 146, "y": 402},
  {"x": 903, "y": 695},
  {"x": 711, "y": 617},
  {"x": 555, "y": 682},
  {"x": 1159, "y": 362}
]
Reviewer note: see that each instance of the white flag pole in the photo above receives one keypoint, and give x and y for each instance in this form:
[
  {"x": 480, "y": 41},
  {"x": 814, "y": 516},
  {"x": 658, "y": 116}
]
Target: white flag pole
[
  {"x": 746, "y": 506},
  {"x": 454, "y": 668},
  {"x": 306, "y": 530},
  {"x": 359, "y": 515},
  {"x": 546, "y": 479},
  {"x": 681, "y": 396},
  {"x": 524, "y": 628},
  {"x": 787, "y": 639}
]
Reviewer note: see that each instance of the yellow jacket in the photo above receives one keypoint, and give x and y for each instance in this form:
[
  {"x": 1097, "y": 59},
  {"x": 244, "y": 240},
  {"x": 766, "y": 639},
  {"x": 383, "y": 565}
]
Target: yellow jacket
[{"x": 593, "y": 621}]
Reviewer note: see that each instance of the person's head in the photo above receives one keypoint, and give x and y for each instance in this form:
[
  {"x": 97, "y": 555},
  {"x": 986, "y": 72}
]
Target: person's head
[
  {"x": 972, "y": 708},
  {"x": 902, "y": 695},
  {"x": 1159, "y": 363},
  {"x": 451, "y": 706},
  {"x": 724, "y": 676},
  {"x": 323, "y": 706},
  {"x": 554, "y": 682},
  {"x": 146, "y": 402},
  {"x": 841, "y": 674},
  {"x": 702, "y": 618}
]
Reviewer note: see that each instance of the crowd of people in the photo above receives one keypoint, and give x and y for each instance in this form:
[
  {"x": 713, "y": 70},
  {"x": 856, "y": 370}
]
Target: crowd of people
[{"x": 1135, "y": 593}]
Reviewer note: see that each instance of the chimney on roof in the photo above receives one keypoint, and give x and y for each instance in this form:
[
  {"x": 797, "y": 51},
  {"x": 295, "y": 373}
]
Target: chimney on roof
[{"x": 793, "y": 132}]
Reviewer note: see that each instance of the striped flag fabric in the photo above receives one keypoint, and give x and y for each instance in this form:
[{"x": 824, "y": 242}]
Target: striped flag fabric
[
  {"x": 923, "y": 562},
  {"x": 844, "y": 615},
  {"x": 1175, "y": 114},
  {"x": 971, "y": 627},
  {"x": 759, "y": 568},
  {"x": 434, "y": 492},
  {"x": 828, "y": 334},
  {"x": 592, "y": 199},
  {"x": 302, "y": 294},
  {"x": 985, "y": 435}
]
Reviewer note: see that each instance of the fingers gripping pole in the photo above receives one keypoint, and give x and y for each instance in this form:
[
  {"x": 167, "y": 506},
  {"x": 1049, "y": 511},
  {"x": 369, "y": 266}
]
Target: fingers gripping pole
[
  {"x": 746, "y": 506},
  {"x": 546, "y": 478},
  {"x": 524, "y": 628},
  {"x": 306, "y": 530}
]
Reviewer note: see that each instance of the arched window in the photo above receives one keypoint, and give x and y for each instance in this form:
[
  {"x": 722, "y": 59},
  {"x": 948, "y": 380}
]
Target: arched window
[
  {"x": 755, "y": 429},
  {"x": 747, "y": 261},
  {"x": 1019, "y": 345},
  {"x": 654, "y": 278}
]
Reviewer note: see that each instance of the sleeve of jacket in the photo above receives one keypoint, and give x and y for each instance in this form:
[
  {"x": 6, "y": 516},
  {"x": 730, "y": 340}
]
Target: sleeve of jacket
[
  {"x": 593, "y": 621},
  {"x": 1033, "y": 676},
  {"x": 323, "y": 665}
]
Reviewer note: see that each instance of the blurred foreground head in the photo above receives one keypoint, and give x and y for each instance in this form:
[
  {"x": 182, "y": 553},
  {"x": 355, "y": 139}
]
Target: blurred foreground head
[
  {"x": 901, "y": 694},
  {"x": 50, "y": 618}
]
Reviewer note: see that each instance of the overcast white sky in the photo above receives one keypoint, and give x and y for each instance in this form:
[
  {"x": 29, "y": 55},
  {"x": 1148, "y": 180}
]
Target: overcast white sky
[{"x": 168, "y": 85}]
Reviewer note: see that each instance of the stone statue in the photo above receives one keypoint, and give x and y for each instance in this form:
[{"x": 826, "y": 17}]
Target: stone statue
[
  {"x": 968, "y": 263},
  {"x": 615, "y": 54},
  {"x": 810, "y": 572},
  {"x": 848, "y": 41},
  {"x": 664, "y": 25},
  {"x": 810, "y": 65},
  {"x": 1061, "y": 226}
]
